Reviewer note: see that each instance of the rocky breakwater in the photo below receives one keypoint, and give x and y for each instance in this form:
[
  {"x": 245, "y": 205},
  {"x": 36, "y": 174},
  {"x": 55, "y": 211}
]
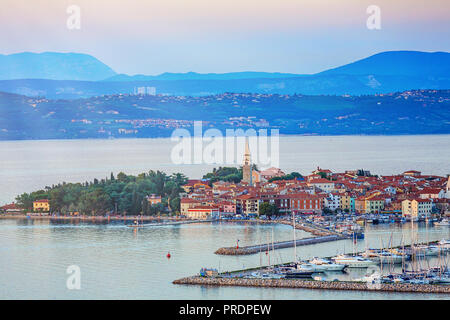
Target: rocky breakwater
[
  {"x": 276, "y": 245},
  {"x": 315, "y": 230},
  {"x": 313, "y": 284}
]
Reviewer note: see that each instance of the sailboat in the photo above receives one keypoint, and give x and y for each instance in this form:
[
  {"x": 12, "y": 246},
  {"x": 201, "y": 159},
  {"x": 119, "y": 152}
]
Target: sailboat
[{"x": 297, "y": 270}]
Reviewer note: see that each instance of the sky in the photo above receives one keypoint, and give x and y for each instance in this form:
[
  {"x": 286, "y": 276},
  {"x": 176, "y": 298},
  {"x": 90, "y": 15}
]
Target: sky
[{"x": 156, "y": 36}]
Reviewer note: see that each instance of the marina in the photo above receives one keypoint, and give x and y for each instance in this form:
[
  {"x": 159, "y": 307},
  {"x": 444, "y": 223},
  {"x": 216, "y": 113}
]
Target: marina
[
  {"x": 308, "y": 274},
  {"x": 143, "y": 255}
]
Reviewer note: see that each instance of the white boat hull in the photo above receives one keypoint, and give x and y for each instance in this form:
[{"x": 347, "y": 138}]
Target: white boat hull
[{"x": 355, "y": 264}]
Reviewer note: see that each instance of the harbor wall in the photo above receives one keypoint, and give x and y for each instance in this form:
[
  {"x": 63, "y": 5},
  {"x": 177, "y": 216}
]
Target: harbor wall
[
  {"x": 276, "y": 245},
  {"x": 313, "y": 284}
]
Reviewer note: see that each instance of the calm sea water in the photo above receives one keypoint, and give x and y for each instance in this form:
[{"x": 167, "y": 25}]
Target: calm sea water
[
  {"x": 118, "y": 263},
  {"x": 29, "y": 165}
]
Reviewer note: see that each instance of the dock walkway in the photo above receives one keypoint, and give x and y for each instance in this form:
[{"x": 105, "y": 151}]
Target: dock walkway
[
  {"x": 168, "y": 223},
  {"x": 276, "y": 245}
]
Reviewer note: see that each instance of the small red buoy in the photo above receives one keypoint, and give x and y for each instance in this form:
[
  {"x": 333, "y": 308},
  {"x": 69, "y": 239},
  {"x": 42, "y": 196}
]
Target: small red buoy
[{"x": 168, "y": 255}]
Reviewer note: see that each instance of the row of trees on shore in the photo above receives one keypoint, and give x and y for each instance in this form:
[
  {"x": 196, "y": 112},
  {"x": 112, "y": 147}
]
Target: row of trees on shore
[{"x": 124, "y": 194}]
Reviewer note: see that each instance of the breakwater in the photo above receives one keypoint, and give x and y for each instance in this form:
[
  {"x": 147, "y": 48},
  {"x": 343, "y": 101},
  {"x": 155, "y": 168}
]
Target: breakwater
[
  {"x": 311, "y": 228},
  {"x": 168, "y": 223},
  {"x": 276, "y": 245},
  {"x": 313, "y": 284},
  {"x": 322, "y": 235}
]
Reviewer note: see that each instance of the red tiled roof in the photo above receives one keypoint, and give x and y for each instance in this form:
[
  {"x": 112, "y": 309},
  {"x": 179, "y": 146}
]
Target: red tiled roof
[
  {"x": 41, "y": 200},
  {"x": 322, "y": 180}
]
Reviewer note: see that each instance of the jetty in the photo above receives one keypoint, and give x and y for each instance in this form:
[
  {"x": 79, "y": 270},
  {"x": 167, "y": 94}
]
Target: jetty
[
  {"x": 321, "y": 235},
  {"x": 313, "y": 284},
  {"x": 276, "y": 245},
  {"x": 168, "y": 223}
]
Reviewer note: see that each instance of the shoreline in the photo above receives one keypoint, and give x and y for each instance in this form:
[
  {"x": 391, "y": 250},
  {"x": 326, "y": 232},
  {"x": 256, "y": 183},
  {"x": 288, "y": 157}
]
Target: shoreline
[
  {"x": 92, "y": 218},
  {"x": 281, "y": 135}
]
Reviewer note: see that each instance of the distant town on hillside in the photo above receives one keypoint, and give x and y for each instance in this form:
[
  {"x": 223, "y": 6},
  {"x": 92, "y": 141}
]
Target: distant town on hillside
[{"x": 143, "y": 115}]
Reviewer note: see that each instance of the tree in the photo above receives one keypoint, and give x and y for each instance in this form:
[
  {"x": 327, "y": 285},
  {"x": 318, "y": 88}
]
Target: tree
[
  {"x": 268, "y": 209},
  {"x": 124, "y": 193},
  {"x": 323, "y": 175},
  {"x": 228, "y": 174},
  {"x": 290, "y": 176},
  {"x": 145, "y": 206}
]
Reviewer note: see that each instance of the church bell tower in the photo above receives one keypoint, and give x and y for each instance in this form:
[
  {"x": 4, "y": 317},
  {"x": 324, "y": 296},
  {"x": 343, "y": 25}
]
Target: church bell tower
[{"x": 247, "y": 165}]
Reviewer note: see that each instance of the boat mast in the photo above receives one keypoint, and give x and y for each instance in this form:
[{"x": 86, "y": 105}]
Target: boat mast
[
  {"x": 273, "y": 250},
  {"x": 295, "y": 241}
]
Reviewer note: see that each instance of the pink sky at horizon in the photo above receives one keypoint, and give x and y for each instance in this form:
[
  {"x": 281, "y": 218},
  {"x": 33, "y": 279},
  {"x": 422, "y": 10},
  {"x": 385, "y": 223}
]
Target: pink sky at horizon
[{"x": 298, "y": 36}]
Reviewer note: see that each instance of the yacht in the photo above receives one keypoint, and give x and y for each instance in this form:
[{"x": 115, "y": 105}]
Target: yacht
[
  {"x": 262, "y": 275},
  {"x": 373, "y": 278},
  {"x": 289, "y": 272},
  {"x": 443, "y": 222},
  {"x": 327, "y": 265},
  {"x": 354, "y": 261},
  {"x": 406, "y": 254},
  {"x": 428, "y": 250},
  {"x": 418, "y": 281},
  {"x": 445, "y": 279},
  {"x": 444, "y": 244},
  {"x": 384, "y": 256}
]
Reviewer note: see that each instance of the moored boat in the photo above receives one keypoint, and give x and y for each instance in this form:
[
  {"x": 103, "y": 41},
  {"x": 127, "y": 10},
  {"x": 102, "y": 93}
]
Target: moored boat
[
  {"x": 327, "y": 265},
  {"x": 443, "y": 222},
  {"x": 354, "y": 261}
]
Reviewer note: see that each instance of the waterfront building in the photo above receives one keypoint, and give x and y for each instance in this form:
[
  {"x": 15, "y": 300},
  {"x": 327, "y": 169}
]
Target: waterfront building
[
  {"x": 374, "y": 204},
  {"x": 227, "y": 207},
  {"x": 11, "y": 208},
  {"x": 248, "y": 204},
  {"x": 186, "y": 204},
  {"x": 42, "y": 205},
  {"x": 416, "y": 208},
  {"x": 203, "y": 212},
  {"x": 153, "y": 199},
  {"x": 347, "y": 202},
  {"x": 360, "y": 204},
  {"x": 303, "y": 203}
]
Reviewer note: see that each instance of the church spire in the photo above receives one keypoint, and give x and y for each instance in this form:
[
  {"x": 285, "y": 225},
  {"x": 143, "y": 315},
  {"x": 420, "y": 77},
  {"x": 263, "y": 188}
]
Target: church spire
[
  {"x": 247, "y": 165},
  {"x": 247, "y": 155}
]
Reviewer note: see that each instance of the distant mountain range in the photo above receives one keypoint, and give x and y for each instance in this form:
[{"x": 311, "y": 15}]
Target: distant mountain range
[
  {"x": 398, "y": 63},
  {"x": 204, "y": 76},
  {"x": 73, "y": 76},
  {"x": 54, "y": 66}
]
